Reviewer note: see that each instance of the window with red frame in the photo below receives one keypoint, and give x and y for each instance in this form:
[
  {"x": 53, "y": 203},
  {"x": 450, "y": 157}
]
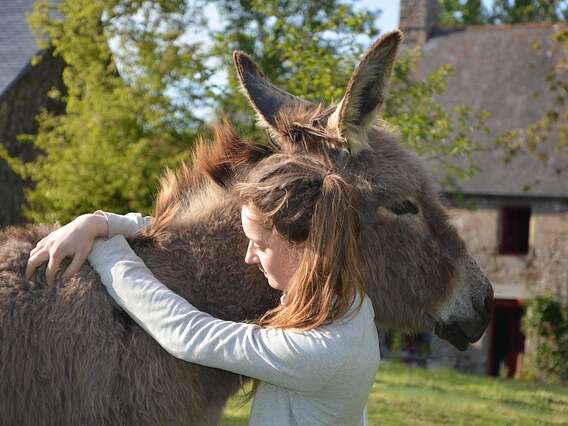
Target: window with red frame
[{"x": 514, "y": 230}]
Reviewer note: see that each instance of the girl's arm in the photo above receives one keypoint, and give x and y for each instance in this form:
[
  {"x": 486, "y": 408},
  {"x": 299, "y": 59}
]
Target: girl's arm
[{"x": 300, "y": 361}]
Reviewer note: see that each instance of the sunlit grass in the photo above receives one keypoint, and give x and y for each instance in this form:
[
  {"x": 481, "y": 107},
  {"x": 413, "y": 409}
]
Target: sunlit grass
[{"x": 404, "y": 395}]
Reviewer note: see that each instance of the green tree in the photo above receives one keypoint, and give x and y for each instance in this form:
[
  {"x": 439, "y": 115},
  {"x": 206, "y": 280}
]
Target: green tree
[
  {"x": 552, "y": 127},
  {"x": 307, "y": 48},
  {"x": 449, "y": 137},
  {"x": 459, "y": 13},
  {"x": 511, "y": 12},
  {"x": 546, "y": 325},
  {"x": 119, "y": 128}
]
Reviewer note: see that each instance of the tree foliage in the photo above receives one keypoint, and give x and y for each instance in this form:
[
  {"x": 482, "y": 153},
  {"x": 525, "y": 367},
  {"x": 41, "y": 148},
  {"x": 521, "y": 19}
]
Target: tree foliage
[
  {"x": 511, "y": 12},
  {"x": 553, "y": 125},
  {"x": 448, "y": 138},
  {"x": 119, "y": 128},
  {"x": 306, "y": 48},
  {"x": 459, "y": 13},
  {"x": 546, "y": 325},
  {"x": 131, "y": 109}
]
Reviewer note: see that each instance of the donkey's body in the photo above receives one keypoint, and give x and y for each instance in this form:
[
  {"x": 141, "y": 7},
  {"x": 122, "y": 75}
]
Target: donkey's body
[{"x": 70, "y": 356}]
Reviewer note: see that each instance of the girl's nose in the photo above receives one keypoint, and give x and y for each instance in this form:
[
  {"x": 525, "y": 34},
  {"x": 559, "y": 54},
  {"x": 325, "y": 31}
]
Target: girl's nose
[{"x": 250, "y": 256}]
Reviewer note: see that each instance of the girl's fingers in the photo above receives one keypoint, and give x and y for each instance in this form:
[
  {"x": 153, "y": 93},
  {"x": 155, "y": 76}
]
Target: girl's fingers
[
  {"x": 38, "y": 246},
  {"x": 75, "y": 265},
  {"x": 34, "y": 261},
  {"x": 52, "y": 267}
]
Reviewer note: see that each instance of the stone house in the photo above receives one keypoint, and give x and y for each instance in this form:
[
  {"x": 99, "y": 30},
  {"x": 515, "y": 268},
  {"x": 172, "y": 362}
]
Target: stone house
[
  {"x": 512, "y": 214},
  {"x": 23, "y": 94}
]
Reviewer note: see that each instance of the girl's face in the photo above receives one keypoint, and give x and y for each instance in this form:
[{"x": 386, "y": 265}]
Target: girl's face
[{"x": 275, "y": 257}]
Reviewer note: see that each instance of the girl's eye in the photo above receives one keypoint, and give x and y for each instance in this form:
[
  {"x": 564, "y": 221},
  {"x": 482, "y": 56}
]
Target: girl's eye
[{"x": 258, "y": 246}]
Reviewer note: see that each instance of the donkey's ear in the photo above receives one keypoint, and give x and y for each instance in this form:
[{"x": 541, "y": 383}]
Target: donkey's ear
[
  {"x": 365, "y": 92},
  {"x": 266, "y": 99}
]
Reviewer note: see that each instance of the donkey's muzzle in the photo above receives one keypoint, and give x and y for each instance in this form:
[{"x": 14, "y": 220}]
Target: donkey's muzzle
[{"x": 459, "y": 332}]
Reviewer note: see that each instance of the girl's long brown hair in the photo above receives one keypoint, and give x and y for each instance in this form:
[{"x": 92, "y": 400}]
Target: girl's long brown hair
[{"x": 309, "y": 204}]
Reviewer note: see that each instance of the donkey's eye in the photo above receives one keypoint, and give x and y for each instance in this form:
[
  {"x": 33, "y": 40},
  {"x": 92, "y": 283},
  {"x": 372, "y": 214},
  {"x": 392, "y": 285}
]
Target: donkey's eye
[{"x": 406, "y": 207}]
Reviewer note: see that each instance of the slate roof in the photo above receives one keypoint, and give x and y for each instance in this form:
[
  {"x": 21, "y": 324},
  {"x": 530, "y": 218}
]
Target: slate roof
[
  {"x": 498, "y": 69},
  {"x": 17, "y": 45}
]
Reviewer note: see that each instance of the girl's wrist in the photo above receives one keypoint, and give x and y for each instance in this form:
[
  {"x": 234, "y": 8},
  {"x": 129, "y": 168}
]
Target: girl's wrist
[{"x": 99, "y": 224}]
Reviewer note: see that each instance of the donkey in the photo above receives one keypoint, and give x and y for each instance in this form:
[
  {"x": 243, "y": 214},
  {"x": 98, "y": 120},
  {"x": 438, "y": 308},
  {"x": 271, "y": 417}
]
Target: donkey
[{"x": 70, "y": 355}]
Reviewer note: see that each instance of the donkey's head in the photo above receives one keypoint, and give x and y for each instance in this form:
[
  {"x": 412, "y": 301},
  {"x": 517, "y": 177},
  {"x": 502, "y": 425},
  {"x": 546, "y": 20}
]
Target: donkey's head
[{"x": 418, "y": 272}]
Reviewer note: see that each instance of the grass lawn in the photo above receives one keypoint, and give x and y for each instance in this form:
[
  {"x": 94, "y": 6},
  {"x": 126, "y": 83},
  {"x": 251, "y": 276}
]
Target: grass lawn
[{"x": 403, "y": 395}]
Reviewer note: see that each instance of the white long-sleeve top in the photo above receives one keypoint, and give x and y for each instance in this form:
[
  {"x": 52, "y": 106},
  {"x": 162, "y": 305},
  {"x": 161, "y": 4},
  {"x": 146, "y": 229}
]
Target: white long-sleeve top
[{"x": 317, "y": 377}]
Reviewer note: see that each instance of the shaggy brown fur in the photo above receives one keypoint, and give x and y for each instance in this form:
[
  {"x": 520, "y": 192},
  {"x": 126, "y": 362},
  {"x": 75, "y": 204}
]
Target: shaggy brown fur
[{"x": 70, "y": 356}]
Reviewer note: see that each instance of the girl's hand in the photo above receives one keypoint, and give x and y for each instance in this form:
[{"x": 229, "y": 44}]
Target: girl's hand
[{"x": 73, "y": 240}]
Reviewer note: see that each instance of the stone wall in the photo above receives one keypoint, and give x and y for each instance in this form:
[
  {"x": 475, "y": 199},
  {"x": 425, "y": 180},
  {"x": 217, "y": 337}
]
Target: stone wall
[
  {"x": 20, "y": 103},
  {"x": 544, "y": 269}
]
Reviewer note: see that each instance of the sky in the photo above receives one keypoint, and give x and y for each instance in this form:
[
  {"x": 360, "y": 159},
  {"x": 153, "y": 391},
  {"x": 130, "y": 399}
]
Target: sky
[{"x": 390, "y": 9}]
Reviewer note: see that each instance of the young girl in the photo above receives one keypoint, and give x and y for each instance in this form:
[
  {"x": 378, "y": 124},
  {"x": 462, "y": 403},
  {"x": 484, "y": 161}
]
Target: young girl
[{"x": 314, "y": 357}]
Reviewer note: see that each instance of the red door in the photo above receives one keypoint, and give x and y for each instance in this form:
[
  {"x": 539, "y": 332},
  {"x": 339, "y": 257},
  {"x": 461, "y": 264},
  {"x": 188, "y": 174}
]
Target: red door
[{"x": 507, "y": 340}]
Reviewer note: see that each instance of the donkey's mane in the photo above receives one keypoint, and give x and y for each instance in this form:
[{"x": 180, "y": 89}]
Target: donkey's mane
[
  {"x": 300, "y": 128},
  {"x": 217, "y": 162},
  {"x": 304, "y": 128}
]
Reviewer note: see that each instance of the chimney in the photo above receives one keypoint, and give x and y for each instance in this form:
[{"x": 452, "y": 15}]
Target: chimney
[{"x": 417, "y": 19}]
